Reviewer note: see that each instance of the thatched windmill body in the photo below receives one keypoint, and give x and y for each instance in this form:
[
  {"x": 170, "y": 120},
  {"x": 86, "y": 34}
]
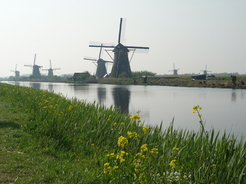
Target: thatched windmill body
[
  {"x": 17, "y": 73},
  {"x": 175, "y": 71},
  {"x": 50, "y": 70},
  {"x": 121, "y": 61},
  {"x": 101, "y": 68},
  {"x": 35, "y": 69}
]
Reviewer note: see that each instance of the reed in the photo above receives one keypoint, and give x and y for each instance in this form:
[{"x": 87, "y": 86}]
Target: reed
[{"x": 119, "y": 148}]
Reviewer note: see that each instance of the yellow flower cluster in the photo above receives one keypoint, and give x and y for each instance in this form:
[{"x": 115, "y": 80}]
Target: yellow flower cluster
[
  {"x": 173, "y": 162},
  {"x": 154, "y": 151},
  {"x": 145, "y": 129},
  {"x": 176, "y": 149},
  {"x": 122, "y": 141},
  {"x": 135, "y": 117},
  {"x": 109, "y": 169},
  {"x": 144, "y": 148},
  {"x": 133, "y": 134},
  {"x": 142, "y": 178},
  {"x": 196, "y": 108},
  {"x": 120, "y": 156}
]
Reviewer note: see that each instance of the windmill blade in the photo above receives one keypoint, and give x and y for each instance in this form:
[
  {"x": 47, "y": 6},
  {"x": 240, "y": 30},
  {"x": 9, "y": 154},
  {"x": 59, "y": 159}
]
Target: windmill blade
[
  {"x": 34, "y": 59},
  {"x": 29, "y": 65},
  {"x": 108, "y": 61},
  {"x": 132, "y": 55},
  {"x": 119, "y": 36},
  {"x": 15, "y": 67},
  {"x": 50, "y": 64},
  {"x": 90, "y": 59},
  {"x": 109, "y": 55},
  {"x": 136, "y": 47},
  {"x": 56, "y": 68},
  {"x": 106, "y": 46},
  {"x": 99, "y": 56}
]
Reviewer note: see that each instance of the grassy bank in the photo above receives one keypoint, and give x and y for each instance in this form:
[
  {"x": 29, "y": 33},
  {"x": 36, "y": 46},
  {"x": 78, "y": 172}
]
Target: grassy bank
[
  {"x": 179, "y": 80},
  {"x": 46, "y": 138}
]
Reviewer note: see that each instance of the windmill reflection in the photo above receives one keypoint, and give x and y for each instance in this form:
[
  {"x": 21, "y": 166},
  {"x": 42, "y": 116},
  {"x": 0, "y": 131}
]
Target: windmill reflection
[
  {"x": 36, "y": 85},
  {"x": 50, "y": 87},
  {"x": 121, "y": 99},
  {"x": 101, "y": 93}
]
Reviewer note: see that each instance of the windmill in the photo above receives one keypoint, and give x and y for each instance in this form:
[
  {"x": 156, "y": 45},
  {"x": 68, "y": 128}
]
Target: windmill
[
  {"x": 121, "y": 60},
  {"x": 205, "y": 72},
  {"x": 101, "y": 68},
  {"x": 50, "y": 70},
  {"x": 175, "y": 71},
  {"x": 17, "y": 73},
  {"x": 35, "y": 69}
]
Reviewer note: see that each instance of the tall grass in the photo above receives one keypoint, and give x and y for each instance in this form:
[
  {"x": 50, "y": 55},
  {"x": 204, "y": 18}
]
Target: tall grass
[{"x": 122, "y": 149}]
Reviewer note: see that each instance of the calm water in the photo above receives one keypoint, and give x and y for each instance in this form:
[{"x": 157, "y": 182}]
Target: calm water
[{"x": 223, "y": 109}]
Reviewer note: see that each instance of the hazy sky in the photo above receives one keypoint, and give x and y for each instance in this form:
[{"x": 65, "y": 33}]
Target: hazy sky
[{"x": 189, "y": 33}]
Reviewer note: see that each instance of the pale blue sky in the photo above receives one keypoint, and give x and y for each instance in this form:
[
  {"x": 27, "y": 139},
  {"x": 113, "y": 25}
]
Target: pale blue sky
[{"x": 189, "y": 33}]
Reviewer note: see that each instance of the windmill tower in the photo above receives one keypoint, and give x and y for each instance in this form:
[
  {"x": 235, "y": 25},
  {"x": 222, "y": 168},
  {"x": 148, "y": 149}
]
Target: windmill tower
[
  {"x": 175, "y": 71},
  {"x": 205, "y": 72},
  {"x": 17, "y": 73},
  {"x": 101, "y": 68},
  {"x": 121, "y": 60},
  {"x": 50, "y": 70},
  {"x": 35, "y": 69}
]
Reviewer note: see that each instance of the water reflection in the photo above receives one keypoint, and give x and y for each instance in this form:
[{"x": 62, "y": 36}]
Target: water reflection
[
  {"x": 35, "y": 85},
  {"x": 233, "y": 96},
  {"x": 101, "y": 93},
  {"x": 17, "y": 83},
  {"x": 121, "y": 98},
  {"x": 50, "y": 87}
]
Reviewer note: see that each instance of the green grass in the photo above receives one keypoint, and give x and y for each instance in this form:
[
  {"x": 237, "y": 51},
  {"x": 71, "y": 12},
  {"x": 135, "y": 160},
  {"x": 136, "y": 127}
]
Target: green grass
[{"x": 46, "y": 138}]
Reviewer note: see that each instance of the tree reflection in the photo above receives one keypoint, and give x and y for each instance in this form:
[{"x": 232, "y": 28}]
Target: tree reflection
[{"x": 121, "y": 99}]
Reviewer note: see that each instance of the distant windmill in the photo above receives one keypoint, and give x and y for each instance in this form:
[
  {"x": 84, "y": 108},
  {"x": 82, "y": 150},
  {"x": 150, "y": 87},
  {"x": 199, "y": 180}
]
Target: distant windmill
[
  {"x": 35, "y": 69},
  {"x": 101, "y": 68},
  {"x": 205, "y": 72},
  {"x": 17, "y": 73},
  {"x": 175, "y": 71},
  {"x": 50, "y": 70},
  {"x": 121, "y": 60}
]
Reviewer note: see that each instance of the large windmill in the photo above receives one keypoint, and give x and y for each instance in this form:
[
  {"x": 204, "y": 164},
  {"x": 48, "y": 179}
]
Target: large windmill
[
  {"x": 35, "y": 69},
  {"x": 17, "y": 73},
  {"x": 205, "y": 72},
  {"x": 101, "y": 68},
  {"x": 50, "y": 70},
  {"x": 175, "y": 71},
  {"x": 121, "y": 60}
]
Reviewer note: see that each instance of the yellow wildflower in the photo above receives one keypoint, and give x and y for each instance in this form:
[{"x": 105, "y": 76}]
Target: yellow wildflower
[
  {"x": 121, "y": 156},
  {"x": 144, "y": 148},
  {"x": 109, "y": 169},
  {"x": 173, "y": 162},
  {"x": 135, "y": 117},
  {"x": 154, "y": 151},
  {"x": 176, "y": 149},
  {"x": 145, "y": 129},
  {"x": 110, "y": 155},
  {"x": 142, "y": 179},
  {"x": 132, "y": 134},
  {"x": 196, "y": 108},
  {"x": 122, "y": 141}
]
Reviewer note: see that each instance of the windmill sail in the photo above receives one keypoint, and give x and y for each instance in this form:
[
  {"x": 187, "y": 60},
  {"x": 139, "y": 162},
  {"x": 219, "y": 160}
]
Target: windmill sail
[{"x": 121, "y": 61}]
